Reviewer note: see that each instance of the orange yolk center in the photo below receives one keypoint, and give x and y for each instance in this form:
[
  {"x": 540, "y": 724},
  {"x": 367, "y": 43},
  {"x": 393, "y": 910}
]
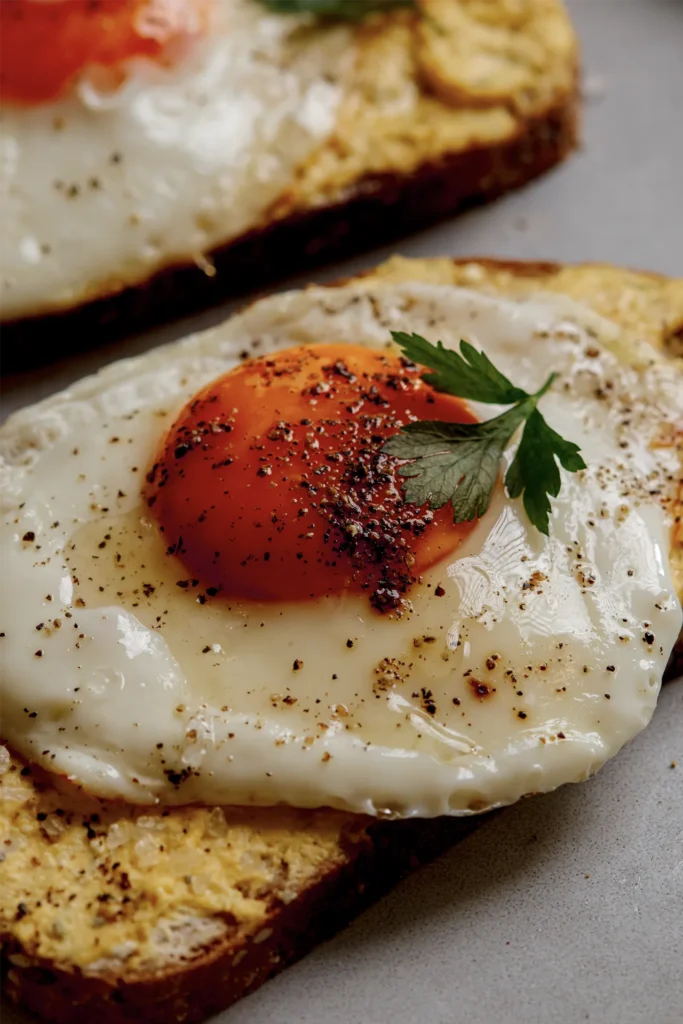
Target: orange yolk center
[
  {"x": 272, "y": 485},
  {"x": 46, "y": 44}
]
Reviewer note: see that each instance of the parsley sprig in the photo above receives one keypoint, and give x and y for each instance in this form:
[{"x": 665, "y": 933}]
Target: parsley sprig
[
  {"x": 345, "y": 10},
  {"x": 459, "y": 462}
]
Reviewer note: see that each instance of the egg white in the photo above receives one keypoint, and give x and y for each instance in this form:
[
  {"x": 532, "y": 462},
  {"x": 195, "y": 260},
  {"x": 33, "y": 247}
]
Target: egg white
[
  {"x": 97, "y": 193},
  {"x": 543, "y": 657}
]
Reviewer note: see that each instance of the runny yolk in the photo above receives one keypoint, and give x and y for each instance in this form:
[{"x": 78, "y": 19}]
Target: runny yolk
[
  {"x": 46, "y": 44},
  {"x": 272, "y": 485}
]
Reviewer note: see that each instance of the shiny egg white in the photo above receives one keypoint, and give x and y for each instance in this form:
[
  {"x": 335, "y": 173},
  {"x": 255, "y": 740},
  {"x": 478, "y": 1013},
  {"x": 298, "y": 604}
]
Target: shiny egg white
[
  {"x": 543, "y": 657},
  {"x": 99, "y": 192}
]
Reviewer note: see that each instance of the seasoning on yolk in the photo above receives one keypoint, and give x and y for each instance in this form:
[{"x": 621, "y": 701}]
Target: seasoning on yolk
[
  {"x": 45, "y": 45},
  {"x": 272, "y": 485}
]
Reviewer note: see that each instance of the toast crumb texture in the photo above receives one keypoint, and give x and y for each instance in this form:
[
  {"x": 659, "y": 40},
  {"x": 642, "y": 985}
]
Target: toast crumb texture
[
  {"x": 466, "y": 74},
  {"x": 455, "y": 106},
  {"x": 116, "y": 914}
]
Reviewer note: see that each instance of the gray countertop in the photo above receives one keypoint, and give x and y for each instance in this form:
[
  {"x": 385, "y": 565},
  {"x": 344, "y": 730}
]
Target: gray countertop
[{"x": 566, "y": 908}]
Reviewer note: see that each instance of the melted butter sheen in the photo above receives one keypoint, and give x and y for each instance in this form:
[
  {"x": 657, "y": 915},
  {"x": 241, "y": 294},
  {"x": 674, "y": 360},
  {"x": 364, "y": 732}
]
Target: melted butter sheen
[{"x": 524, "y": 663}]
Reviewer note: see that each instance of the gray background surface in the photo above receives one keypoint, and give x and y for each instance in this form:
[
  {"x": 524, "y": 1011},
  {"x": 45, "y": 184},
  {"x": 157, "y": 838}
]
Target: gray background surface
[{"x": 567, "y": 908}]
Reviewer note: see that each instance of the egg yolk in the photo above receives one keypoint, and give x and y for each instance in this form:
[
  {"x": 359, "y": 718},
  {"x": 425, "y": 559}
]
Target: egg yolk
[
  {"x": 46, "y": 44},
  {"x": 272, "y": 485}
]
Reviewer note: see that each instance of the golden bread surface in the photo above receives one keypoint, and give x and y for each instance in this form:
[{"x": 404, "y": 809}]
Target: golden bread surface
[
  {"x": 461, "y": 75},
  {"x": 125, "y": 895}
]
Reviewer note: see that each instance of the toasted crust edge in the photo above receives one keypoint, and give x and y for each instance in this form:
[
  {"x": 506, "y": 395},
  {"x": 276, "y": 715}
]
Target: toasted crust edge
[
  {"x": 386, "y": 853},
  {"x": 379, "y": 209}
]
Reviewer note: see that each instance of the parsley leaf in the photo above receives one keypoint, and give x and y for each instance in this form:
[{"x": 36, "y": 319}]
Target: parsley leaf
[
  {"x": 346, "y": 10},
  {"x": 468, "y": 374},
  {"x": 533, "y": 472},
  {"x": 456, "y": 462},
  {"x": 459, "y": 462}
]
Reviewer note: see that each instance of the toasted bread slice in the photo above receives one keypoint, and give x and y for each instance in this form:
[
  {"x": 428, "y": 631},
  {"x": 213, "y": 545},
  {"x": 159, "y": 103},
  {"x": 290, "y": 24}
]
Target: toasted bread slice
[
  {"x": 114, "y": 913},
  {"x": 446, "y": 107}
]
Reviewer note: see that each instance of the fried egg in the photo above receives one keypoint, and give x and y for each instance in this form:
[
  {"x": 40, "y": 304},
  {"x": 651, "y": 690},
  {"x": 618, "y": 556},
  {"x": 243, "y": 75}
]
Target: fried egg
[
  {"x": 214, "y": 592},
  {"x": 140, "y": 134}
]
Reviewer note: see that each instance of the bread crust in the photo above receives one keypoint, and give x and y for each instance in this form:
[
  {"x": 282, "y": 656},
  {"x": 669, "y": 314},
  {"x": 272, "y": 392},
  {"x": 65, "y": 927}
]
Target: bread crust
[
  {"x": 385, "y": 853},
  {"x": 377, "y": 209},
  {"x": 367, "y": 857}
]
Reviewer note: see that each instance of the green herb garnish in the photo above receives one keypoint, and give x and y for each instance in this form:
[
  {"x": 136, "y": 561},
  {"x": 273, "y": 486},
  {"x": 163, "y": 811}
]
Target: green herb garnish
[
  {"x": 459, "y": 462},
  {"x": 345, "y": 10}
]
